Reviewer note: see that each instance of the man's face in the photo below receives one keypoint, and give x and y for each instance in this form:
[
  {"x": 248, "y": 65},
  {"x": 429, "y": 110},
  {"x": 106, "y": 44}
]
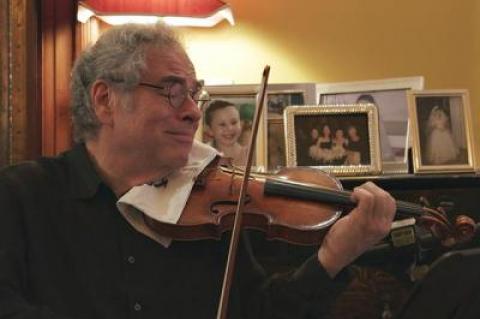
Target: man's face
[{"x": 159, "y": 135}]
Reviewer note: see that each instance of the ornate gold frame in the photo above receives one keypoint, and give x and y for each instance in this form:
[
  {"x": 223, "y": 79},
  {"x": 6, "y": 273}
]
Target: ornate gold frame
[{"x": 369, "y": 110}]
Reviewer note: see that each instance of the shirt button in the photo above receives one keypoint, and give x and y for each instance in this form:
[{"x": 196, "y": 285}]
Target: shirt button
[
  {"x": 137, "y": 306},
  {"x": 131, "y": 259}
]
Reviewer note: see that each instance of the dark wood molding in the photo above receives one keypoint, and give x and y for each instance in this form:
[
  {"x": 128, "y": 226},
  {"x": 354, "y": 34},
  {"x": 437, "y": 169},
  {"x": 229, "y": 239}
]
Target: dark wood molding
[{"x": 58, "y": 45}]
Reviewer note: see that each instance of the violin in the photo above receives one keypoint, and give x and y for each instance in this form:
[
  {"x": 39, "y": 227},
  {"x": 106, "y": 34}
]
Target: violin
[{"x": 296, "y": 205}]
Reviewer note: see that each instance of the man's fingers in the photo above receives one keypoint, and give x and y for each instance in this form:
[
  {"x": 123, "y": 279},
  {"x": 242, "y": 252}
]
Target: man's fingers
[
  {"x": 376, "y": 206},
  {"x": 353, "y": 234},
  {"x": 385, "y": 204},
  {"x": 365, "y": 200}
]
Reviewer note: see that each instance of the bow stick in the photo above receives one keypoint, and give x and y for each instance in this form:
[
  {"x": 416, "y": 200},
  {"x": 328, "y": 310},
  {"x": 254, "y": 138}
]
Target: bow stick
[{"x": 237, "y": 224}]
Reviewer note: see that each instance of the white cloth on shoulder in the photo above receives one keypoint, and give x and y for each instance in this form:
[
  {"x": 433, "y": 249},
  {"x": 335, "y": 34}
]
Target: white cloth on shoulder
[{"x": 165, "y": 203}]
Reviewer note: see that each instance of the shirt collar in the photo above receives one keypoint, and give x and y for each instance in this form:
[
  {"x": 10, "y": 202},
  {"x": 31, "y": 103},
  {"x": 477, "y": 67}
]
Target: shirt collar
[{"x": 84, "y": 179}]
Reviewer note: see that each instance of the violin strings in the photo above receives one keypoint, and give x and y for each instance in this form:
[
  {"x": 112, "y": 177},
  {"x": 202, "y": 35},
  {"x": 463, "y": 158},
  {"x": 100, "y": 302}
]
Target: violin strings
[
  {"x": 403, "y": 208},
  {"x": 340, "y": 197}
]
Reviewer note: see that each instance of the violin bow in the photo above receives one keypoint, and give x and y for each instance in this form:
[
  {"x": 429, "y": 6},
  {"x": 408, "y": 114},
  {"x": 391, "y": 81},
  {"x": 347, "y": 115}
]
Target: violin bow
[{"x": 237, "y": 224}]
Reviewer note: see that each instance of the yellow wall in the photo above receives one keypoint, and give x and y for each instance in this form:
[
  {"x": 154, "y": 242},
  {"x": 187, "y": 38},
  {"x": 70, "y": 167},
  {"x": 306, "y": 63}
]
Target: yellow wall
[{"x": 345, "y": 40}]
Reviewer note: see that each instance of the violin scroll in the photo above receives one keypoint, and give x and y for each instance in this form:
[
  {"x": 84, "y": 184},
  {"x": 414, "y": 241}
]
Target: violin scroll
[{"x": 450, "y": 234}]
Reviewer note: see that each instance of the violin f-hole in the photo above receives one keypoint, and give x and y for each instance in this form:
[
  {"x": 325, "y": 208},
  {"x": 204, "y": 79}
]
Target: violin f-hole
[{"x": 226, "y": 202}]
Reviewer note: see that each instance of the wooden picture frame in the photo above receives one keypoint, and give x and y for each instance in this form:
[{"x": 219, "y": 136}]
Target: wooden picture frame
[
  {"x": 442, "y": 131},
  {"x": 390, "y": 96},
  {"x": 342, "y": 139}
]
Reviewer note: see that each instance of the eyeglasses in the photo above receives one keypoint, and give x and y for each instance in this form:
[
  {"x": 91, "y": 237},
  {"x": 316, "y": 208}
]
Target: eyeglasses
[{"x": 177, "y": 93}]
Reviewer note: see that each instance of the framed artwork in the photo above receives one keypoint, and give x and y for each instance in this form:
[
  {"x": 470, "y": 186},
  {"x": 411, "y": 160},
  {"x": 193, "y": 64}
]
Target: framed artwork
[
  {"x": 227, "y": 122},
  {"x": 341, "y": 139},
  {"x": 279, "y": 96},
  {"x": 442, "y": 132},
  {"x": 390, "y": 97}
]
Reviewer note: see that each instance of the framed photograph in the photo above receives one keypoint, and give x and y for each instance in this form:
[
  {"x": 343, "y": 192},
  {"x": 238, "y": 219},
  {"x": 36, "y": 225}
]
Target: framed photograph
[
  {"x": 442, "y": 132},
  {"x": 279, "y": 96},
  {"x": 227, "y": 122},
  {"x": 342, "y": 139},
  {"x": 276, "y": 152},
  {"x": 390, "y": 96}
]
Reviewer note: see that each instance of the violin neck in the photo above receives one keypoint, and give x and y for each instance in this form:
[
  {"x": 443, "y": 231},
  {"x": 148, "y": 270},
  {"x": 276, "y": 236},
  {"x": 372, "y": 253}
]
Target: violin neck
[{"x": 329, "y": 196}]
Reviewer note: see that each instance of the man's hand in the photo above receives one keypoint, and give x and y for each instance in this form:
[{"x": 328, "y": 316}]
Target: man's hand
[{"x": 353, "y": 234}]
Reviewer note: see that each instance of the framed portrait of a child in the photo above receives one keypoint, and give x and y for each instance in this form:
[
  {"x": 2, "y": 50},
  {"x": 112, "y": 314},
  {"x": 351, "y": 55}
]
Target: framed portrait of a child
[
  {"x": 227, "y": 123},
  {"x": 442, "y": 131},
  {"x": 342, "y": 139}
]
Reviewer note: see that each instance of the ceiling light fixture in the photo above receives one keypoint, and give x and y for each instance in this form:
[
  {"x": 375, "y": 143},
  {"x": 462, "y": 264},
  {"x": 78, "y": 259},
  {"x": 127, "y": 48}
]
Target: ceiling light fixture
[{"x": 193, "y": 13}]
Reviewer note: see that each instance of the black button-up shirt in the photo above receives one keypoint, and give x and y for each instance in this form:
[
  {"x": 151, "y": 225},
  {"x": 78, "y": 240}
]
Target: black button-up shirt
[{"x": 67, "y": 252}]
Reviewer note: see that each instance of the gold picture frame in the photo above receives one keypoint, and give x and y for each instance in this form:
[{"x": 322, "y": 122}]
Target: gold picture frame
[
  {"x": 319, "y": 136},
  {"x": 442, "y": 131}
]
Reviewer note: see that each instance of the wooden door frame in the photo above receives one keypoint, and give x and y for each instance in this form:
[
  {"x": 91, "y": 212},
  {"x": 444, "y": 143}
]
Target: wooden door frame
[{"x": 20, "y": 137}]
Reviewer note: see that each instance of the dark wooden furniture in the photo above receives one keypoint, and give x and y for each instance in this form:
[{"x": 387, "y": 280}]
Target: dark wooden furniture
[{"x": 381, "y": 283}]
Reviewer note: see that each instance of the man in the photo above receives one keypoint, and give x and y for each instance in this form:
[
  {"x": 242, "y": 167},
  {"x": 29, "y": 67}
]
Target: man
[{"x": 67, "y": 252}]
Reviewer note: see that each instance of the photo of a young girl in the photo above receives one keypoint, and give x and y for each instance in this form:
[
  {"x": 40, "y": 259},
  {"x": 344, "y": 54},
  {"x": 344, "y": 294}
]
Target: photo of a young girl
[
  {"x": 321, "y": 148},
  {"x": 224, "y": 129},
  {"x": 441, "y": 130}
]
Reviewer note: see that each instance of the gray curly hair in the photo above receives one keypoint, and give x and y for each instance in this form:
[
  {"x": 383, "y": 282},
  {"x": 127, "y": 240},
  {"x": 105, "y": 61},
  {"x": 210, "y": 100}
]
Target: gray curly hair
[{"x": 118, "y": 57}]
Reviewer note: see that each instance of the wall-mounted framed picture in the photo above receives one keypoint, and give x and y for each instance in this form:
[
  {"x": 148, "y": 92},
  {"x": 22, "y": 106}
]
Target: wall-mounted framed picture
[
  {"x": 390, "y": 96},
  {"x": 279, "y": 96},
  {"x": 342, "y": 139},
  {"x": 227, "y": 122},
  {"x": 442, "y": 131}
]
